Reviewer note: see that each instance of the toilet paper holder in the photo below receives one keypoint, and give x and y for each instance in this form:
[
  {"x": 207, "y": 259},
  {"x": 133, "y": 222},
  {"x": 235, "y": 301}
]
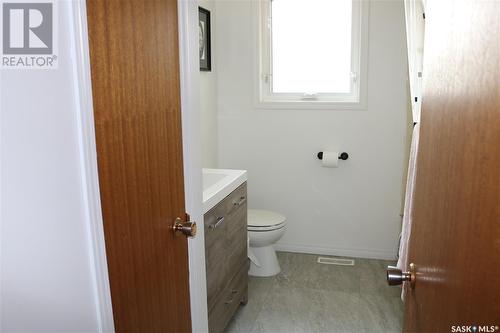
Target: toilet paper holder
[{"x": 343, "y": 156}]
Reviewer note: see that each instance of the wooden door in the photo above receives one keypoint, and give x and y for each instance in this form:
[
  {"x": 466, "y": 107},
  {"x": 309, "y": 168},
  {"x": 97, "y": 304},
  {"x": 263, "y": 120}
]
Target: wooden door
[
  {"x": 135, "y": 80},
  {"x": 455, "y": 241}
]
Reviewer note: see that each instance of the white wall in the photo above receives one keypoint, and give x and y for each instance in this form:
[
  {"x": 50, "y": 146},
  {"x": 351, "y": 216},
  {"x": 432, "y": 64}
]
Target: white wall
[
  {"x": 353, "y": 210},
  {"x": 46, "y": 277},
  {"x": 208, "y": 99}
]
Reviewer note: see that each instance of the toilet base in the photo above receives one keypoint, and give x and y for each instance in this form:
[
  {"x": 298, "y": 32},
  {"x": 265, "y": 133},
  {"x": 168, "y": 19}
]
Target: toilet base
[{"x": 267, "y": 262}]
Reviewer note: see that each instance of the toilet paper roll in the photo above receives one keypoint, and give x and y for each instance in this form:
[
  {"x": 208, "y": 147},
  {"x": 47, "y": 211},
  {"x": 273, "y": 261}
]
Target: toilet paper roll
[{"x": 330, "y": 159}]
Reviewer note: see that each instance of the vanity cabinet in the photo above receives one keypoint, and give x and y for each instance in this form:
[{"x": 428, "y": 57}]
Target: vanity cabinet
[{"x": 226, "y": 258}]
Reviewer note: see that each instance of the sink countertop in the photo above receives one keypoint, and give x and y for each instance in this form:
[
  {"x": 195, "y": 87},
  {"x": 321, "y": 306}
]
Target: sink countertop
[{"x": 218, "y": 184}]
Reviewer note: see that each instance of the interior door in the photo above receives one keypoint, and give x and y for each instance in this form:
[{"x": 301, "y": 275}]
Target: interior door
[
  {"x": 455, "y": 240},
  {"x": 135, "y": 81}
]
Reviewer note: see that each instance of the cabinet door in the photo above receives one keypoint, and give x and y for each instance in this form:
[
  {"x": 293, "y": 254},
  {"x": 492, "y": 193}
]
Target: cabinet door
[
  {"x": 236, "y": 232},
  {"x": 215, "y": 252},
  {"x": 228, "y": 301}
]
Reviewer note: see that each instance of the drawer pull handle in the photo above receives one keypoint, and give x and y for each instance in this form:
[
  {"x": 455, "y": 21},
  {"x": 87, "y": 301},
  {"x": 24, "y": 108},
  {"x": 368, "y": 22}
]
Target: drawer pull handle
[
  {"x": 219, "y": 221},
  {"x": 234, "y": 291},
  {"x": 229, "y": 302},
  {"x": 241, "y": 202}
]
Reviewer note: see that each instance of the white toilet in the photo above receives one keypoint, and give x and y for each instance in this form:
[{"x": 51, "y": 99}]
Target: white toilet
[{"x": 264, "y": 229}]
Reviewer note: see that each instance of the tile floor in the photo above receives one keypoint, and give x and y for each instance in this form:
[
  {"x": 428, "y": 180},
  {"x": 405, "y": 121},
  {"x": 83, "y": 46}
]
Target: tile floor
[{"x": 308, "y": 297}]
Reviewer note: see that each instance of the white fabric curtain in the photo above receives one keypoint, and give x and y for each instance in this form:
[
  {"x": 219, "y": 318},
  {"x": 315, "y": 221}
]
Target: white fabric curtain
[{"x": 403, "y": 263}]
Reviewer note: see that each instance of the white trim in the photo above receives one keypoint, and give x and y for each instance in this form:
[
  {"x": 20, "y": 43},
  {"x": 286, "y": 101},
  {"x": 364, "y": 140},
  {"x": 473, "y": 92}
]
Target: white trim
[
  {"x": 356, "y": 100},
  {"x": 354, "y": 253},
  {"x": 415, "y": 35},
  {"x": 191, "y": 139},
  {"x": 88, "y": 161}
]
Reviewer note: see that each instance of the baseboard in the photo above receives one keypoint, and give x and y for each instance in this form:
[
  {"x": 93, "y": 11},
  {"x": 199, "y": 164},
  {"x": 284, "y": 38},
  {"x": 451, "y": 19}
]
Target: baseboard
[{"x": 355, "y": 253}]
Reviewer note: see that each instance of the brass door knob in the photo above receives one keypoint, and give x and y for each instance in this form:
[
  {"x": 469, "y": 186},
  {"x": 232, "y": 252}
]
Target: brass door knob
[
  {"x": 395, "y": 276},
  {"x": 187, "y": 228}
]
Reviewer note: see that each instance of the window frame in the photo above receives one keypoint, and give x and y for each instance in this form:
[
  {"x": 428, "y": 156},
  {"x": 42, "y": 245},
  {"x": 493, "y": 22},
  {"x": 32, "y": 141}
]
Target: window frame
[{"x": 356, "y": 99}]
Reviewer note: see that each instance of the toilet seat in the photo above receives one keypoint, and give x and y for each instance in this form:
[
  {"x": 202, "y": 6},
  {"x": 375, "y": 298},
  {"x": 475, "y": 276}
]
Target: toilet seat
[
  {"x": 261, "y": 229},
  {"x": 265, "y": 220}
]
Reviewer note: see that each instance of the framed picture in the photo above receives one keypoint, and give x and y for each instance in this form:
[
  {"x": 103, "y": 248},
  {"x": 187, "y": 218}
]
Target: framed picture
[{"x": 204, "y": 39}]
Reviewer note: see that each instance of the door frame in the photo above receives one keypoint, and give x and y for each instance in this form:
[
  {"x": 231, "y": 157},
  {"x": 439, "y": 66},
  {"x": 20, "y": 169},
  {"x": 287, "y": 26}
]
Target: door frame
[{"x": 189, "y": 74}]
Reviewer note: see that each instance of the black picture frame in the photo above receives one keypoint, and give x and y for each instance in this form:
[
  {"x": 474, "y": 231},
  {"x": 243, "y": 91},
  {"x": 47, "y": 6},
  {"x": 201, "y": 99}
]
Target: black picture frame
[{"x": 204, "y": 39}]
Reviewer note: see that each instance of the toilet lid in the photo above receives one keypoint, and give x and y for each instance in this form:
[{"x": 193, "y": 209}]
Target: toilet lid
[{"x": 264, "y": 218}]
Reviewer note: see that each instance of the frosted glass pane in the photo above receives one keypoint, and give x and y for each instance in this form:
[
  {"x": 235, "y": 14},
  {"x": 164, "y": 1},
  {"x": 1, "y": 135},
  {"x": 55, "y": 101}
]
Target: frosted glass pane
[{"x": 311, "y": 46}]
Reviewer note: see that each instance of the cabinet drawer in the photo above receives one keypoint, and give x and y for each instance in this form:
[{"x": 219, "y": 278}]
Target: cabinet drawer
[
  {"x": 217, "y": 218},
  {"x": 215, "y": 223},
  {"x": 237, "y": 219},
  {"x": 216, "y": 281},
  {"x": 236, "y": 241},
  {"x": 229, "y": 300},
  {"x": 235, "y": 200}
]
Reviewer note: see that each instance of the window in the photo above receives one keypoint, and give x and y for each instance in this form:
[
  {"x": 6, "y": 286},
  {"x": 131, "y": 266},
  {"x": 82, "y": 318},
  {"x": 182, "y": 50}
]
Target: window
[{"x": 311, "y": 52}]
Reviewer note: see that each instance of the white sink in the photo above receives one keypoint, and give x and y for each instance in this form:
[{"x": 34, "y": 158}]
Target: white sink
[{"x": 218, "y": 184}]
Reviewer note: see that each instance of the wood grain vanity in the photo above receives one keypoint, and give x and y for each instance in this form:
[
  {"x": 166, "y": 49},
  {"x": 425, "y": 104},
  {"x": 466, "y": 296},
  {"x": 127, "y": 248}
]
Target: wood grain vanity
[{"x": 226, "y": 258}]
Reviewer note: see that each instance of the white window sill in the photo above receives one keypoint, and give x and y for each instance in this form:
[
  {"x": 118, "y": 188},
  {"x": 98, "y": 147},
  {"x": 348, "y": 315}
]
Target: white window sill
[{"x": 310, "y": 105}]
